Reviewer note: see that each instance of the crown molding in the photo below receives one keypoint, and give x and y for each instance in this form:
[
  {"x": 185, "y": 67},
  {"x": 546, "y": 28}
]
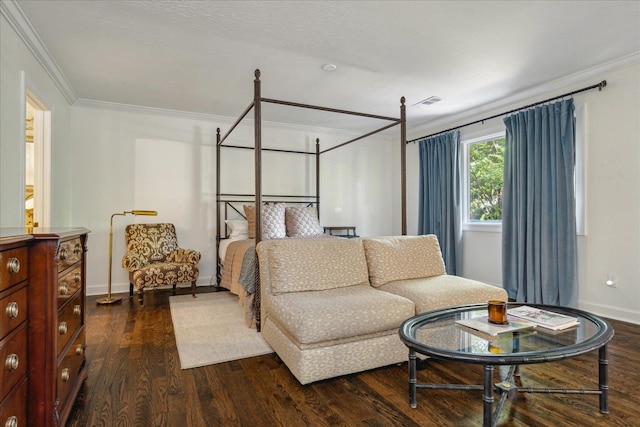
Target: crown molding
[
  {"x": 141, "y": 109},
  {"x": 138, "y": 109},
  {"x": 16, "y": 18},
  {"x": 547, "y": 89}
]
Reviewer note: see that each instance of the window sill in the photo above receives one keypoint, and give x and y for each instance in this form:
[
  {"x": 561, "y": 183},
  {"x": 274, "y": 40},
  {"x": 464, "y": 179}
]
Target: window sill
[{"x": 490, "y": 227}]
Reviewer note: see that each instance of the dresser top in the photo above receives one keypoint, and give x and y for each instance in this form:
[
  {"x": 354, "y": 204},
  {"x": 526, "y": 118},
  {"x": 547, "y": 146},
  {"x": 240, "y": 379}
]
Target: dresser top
[
  {"x": 13, "y": 235},
  {"x": 28, "y": 233}
]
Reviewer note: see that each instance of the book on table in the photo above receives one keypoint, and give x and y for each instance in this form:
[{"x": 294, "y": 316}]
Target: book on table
[
  {"x": 543, "y": 318},
  {"x": 482, "y": 324}
]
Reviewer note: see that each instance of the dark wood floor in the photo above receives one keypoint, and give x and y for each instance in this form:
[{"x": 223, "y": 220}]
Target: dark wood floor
[{"x": 135, "y": 380}]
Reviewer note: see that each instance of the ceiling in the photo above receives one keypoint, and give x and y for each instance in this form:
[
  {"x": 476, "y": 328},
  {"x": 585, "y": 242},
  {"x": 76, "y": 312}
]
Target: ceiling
[{"x": 200, "y": 56}]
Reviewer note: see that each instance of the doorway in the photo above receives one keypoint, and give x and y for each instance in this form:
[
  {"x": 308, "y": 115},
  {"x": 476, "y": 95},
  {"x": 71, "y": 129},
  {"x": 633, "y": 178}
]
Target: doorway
[{"x": 36, "y": 179}]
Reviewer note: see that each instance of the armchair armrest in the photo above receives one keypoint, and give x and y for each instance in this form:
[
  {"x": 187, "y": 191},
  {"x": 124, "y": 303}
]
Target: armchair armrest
[
  {"x": 189, "y": 256},
  {"x": 132, "y": 261}
]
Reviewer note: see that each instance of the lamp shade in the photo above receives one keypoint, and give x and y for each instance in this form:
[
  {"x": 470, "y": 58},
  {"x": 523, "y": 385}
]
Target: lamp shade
[{"x": 148, "y": 213}]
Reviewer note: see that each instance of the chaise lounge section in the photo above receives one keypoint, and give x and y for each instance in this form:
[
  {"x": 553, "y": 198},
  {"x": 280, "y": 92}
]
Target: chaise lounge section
[{"x": 332, "y": 307}]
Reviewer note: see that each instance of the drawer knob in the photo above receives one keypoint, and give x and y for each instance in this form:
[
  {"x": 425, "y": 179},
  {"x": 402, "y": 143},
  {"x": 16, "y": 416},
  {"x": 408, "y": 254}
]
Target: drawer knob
[
  {"x": 63, "y": 254},
  {"x": 12, "y": 310},
  {"x": 62, "y": 328},
  {"x": 63, "y": 288},
  {"x": 65, "y": 374},
  {"x": 13, "y": 265},
  {"x": 12, "y": 362},
  {"x": 77, "y": 277},
  {"x": 77, "y": 310},
  {"x": 79, "y": 349},
  {"x": 77, "y": 249},
  {"x": 12, "y": 421}
]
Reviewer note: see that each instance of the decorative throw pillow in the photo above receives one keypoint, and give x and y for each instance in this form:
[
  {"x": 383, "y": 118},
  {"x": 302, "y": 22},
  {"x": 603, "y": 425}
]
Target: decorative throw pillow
[
  {"x": 250, "y": 213},
  {"x": 302, "y": 221},
  {"x": 238, "y": 227},
  {"x": 273, "y": 225},
  {"x": 272, "y": 221}
]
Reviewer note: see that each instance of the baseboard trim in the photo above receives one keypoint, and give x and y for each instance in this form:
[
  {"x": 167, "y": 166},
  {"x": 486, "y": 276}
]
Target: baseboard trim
[{"x": 610, "y": 312}]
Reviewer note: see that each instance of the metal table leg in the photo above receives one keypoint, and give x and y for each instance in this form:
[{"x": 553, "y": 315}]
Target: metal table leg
[
  {"x": 603, "y": 381},
  {"x": 487, "y": 396},
  {"x": 412, "y": 379}
]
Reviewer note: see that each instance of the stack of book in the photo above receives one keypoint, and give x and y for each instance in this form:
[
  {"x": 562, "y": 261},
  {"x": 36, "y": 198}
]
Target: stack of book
[
  {"x": 543, "y": 318},
  {"x": 482, "y": 324}
]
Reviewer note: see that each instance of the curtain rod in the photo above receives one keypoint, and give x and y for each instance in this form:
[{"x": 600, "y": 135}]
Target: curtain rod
[{"x": 599, "y": 86}]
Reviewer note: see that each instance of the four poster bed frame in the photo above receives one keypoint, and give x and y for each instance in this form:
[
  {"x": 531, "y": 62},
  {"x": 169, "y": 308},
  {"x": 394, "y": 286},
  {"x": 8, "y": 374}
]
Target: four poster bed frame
[{"x": 226, "y": 200}]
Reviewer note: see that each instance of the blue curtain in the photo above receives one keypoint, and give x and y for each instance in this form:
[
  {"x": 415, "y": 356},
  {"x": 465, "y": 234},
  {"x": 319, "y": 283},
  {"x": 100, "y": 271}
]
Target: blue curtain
[
  {"x": 439, "y": 199},
  {"x": 539, "y": 263}
]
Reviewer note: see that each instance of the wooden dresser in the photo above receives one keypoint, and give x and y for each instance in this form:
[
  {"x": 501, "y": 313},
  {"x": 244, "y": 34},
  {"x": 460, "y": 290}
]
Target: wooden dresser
[
  {"x": 14, "y": 283},
  {"x": 57, "y": 288}
]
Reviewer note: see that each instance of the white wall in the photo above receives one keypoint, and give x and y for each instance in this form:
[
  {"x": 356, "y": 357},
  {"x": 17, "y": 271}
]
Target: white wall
[
  {"x": 161, "y": 161},
  {"x": 21, "y": 71},
  {"x": 612, "y": 241}
]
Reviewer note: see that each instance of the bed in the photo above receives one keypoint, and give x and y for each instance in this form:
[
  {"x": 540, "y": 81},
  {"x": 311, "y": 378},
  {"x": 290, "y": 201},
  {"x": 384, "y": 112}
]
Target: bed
[{"x": 236, "y": 267}]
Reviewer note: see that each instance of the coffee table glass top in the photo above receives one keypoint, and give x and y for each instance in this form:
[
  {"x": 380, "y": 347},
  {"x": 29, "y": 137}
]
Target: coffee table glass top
[{"x": 437, "y": 334}]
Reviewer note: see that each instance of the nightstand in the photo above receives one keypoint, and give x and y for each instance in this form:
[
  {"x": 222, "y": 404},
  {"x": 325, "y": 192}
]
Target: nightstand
[{"x": 347, "y": 231}]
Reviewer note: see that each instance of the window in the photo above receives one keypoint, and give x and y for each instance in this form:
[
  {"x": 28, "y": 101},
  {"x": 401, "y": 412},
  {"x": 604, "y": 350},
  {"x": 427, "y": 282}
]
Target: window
[{"x": 483, "y": 166}]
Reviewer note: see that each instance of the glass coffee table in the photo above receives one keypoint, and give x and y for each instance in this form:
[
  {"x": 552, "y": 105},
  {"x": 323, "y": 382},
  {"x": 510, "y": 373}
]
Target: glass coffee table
[{"x": 436, "y": 334}]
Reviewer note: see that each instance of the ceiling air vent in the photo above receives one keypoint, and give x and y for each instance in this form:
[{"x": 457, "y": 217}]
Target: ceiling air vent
[{"x": 430, "y": 100}]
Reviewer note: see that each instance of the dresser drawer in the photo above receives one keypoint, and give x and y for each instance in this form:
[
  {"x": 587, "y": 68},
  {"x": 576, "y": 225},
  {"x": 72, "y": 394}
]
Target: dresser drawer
[
  {"x": 68, "y": 284},
  {"x": 13, "y": 309},
  {"x": 13, "y": 411},
  {"x": 13, "y": 267},
  {"x": 13, "y": 359},
  {"x": 69, "y": 368},
  {"x": 69, "y": 252},
  {"x": 69, "y": 320}
]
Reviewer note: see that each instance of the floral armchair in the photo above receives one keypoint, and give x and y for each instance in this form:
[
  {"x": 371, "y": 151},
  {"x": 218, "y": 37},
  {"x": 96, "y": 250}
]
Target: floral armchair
[{"x": 153, "y": 259}]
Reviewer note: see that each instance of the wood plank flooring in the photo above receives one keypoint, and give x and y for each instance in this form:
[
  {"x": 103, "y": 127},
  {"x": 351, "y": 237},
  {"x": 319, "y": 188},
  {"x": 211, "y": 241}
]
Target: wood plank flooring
[{"x": 135, "y": 380}]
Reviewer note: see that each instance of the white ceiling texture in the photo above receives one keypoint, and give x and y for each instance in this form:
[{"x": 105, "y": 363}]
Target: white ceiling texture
[{"x": 200, "y": 56}]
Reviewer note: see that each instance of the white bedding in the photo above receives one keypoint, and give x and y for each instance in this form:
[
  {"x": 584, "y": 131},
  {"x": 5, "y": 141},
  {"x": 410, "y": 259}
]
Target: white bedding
[{"x": 222, "y": 249}]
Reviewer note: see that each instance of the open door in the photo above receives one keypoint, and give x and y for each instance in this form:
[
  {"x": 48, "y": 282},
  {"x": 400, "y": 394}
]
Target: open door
[{"x": 37, "y": 140}]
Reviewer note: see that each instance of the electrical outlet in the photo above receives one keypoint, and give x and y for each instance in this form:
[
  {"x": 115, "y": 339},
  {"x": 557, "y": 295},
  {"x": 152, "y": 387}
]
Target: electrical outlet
[{"x": 611, "y": 281}]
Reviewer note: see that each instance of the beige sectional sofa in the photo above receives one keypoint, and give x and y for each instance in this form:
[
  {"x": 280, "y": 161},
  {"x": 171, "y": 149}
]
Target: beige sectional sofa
[{"x": 332, "y": 307}]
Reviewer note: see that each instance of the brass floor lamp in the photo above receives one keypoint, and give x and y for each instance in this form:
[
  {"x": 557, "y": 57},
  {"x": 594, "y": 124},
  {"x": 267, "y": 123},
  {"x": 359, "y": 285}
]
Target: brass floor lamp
[{"x": 109, "y": 299}]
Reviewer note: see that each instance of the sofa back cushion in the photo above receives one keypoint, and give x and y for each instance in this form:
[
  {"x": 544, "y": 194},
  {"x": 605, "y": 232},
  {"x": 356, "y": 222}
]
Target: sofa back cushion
[
  {"x": 297, "y": 265},
  {"x": 402, "y": 257}
]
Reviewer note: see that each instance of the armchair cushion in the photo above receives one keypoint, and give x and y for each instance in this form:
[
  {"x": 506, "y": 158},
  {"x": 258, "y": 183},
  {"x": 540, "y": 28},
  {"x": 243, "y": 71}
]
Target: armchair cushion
[
  {"x": 132, "y": 261},
  {"x": 180, "y": 255}
]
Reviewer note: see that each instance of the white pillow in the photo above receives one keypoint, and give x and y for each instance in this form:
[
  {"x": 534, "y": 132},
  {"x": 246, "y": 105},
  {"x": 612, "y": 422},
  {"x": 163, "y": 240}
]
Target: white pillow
[{"x": 239, "y": 228}]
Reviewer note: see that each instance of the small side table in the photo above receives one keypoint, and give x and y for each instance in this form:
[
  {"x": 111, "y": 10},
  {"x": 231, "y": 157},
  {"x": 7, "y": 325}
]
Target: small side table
[{"x": 341, "y": 231}]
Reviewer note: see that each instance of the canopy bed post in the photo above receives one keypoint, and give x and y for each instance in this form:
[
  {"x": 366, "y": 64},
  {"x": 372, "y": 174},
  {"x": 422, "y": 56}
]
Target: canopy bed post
[
  {"x": 257, "y": 126},
  {"x": 318, "y": 177},
  {"x": 403, "y": 162},
  {"x": 218, "y": 274}
]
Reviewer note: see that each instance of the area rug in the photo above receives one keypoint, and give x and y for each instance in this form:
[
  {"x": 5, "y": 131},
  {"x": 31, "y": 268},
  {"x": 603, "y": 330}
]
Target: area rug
[{"x": 210, "y": 329}]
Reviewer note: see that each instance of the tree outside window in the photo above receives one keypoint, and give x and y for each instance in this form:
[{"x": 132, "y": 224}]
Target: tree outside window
[{"x": 486, "y": 167}]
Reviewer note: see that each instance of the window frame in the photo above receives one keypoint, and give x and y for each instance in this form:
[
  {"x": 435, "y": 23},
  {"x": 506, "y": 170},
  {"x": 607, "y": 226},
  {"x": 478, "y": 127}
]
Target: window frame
[{"x": 487, "y": 225}]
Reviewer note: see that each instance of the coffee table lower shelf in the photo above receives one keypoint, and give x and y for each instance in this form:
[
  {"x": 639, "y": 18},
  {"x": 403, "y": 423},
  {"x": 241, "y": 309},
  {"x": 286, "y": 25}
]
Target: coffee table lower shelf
[{"x": 507, "y": 388}]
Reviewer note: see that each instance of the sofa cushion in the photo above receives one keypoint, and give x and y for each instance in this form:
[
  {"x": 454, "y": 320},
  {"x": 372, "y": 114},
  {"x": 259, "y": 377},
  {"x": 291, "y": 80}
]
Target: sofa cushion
[
  {"x": 432, "y": 293},
  {"x": 315, "y": 264},
  {"x": 312, "y": 317},
  {"x": 402, "y": 257}
]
